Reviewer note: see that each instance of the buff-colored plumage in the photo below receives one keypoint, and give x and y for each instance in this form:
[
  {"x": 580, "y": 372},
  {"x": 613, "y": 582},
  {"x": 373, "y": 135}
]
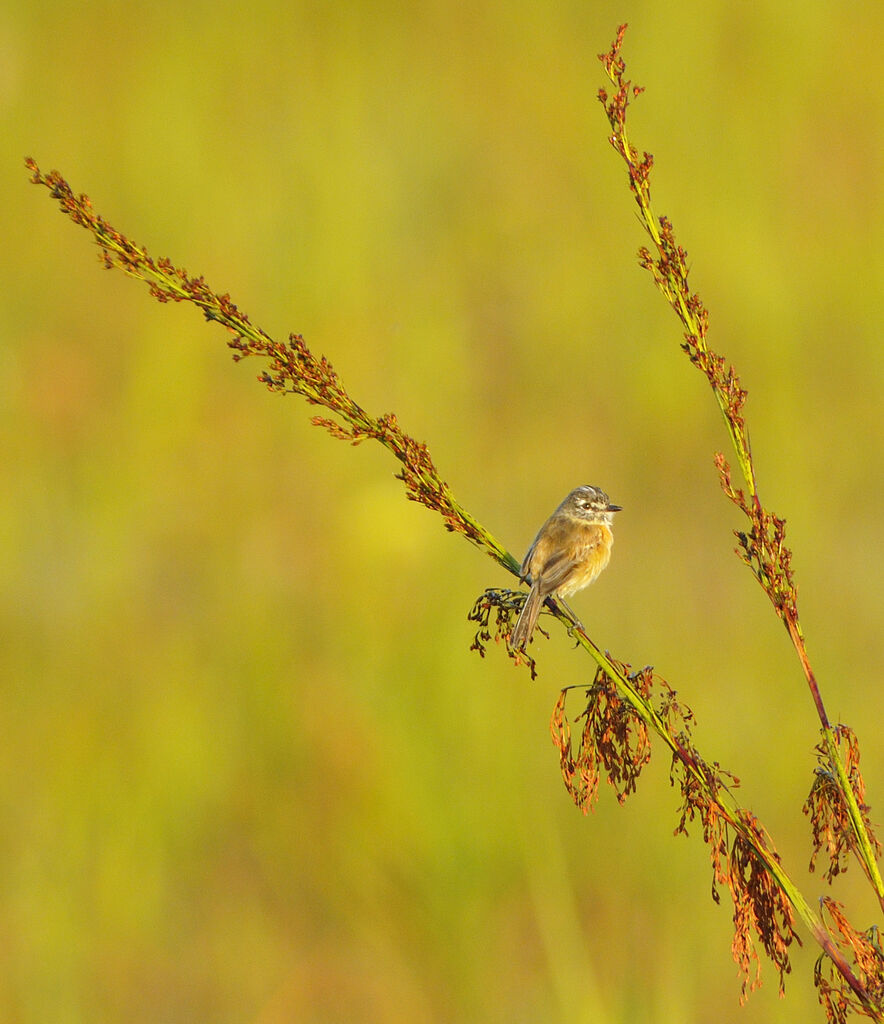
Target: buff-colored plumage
[{"x": 571, "y": 549}]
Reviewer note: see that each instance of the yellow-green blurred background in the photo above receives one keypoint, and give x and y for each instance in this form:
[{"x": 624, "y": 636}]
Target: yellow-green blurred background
[{"x": 249, "y": 769}]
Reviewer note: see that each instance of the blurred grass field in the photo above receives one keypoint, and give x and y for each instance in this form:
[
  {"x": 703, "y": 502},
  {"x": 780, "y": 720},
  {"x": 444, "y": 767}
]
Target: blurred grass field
[{"x": 249, "y": 770}]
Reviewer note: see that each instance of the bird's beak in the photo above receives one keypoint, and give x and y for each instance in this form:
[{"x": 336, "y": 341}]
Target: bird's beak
[{"x": 614, "y": 508}]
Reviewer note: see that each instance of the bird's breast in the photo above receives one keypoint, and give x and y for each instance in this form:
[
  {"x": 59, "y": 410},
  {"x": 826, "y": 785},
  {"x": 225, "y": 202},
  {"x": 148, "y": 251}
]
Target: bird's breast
[{"x": 591, "y": 556}]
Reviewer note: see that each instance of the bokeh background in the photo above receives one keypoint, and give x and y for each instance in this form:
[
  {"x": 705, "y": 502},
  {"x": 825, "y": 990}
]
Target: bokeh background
[{"x": 249, "y": 769}]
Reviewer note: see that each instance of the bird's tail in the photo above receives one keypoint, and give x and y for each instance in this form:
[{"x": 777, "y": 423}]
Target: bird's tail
[{"x": 527, "y": 620}]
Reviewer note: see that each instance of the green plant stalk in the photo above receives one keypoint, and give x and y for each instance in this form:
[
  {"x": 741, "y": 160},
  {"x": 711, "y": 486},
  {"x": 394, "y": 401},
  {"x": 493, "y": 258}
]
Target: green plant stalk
[
  {"x": 638, "y": 171},
  {"x": 867, "y": 852},
  {"x": 856, "y": 819},
  {"x": 691, "y": 322}
]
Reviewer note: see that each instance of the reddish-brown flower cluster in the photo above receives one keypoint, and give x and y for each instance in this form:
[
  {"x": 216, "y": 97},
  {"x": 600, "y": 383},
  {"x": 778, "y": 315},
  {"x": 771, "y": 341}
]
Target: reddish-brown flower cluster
[
  {"x": 505, "y": 605},
  {"x": 760, "y": 904},
  {"x": 613, "y": 738},
  {"x": 860, "y": 990},
  {"x": 830, "y": 822},
  {"x": 763, "y": 547}
]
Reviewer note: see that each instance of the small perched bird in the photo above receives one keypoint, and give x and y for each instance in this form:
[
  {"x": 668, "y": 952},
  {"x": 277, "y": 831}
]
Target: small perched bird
[{"x": 571, "y": 549}]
